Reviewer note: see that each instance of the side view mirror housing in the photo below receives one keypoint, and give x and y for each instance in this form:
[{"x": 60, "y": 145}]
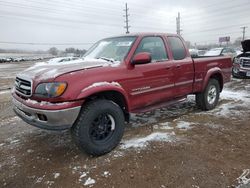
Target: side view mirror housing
[{"x": 141, "y": 58}]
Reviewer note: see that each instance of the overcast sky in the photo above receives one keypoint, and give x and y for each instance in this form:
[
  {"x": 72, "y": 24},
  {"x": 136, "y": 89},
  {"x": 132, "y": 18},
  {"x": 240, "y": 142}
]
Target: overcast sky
[{"x": 56, "y": 22}]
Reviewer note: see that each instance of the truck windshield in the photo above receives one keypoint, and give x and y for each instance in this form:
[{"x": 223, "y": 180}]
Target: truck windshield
[{"x": 111, "y": 49}]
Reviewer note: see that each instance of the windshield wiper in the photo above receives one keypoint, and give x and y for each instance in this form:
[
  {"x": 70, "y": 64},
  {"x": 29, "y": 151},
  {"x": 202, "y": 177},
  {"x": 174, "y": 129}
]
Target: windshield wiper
[{"x": 106, "y": 59}]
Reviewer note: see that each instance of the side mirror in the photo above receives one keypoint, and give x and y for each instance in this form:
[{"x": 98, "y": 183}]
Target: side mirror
[{"x": 141, "y": 58}]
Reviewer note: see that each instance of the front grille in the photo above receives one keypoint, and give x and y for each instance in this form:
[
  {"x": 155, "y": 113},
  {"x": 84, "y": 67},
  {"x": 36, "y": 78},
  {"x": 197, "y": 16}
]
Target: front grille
[
  {"x": 23, "y": 86},
  {"x": 246, "y": 63}
]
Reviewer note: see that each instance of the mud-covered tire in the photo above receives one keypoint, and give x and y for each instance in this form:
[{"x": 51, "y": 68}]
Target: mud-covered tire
[
  {"x": 209, "y": 98},
  {"x": 99, "y": 127}
]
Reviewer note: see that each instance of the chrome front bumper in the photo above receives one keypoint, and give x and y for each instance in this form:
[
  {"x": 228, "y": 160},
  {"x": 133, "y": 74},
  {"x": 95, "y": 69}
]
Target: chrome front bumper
[{"x": 46, "y": 119}]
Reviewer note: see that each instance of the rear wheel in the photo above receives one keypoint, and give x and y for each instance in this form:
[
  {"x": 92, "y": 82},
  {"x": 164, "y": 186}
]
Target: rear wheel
[
  {"x": 99, "y": 127},
  {"x": 209, "y": 98}
]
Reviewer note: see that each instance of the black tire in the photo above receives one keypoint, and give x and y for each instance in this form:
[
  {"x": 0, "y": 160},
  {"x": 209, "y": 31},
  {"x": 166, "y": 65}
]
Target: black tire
[
  {"x": 99, "y": 127},
  {"x": 209, "y": 98}
]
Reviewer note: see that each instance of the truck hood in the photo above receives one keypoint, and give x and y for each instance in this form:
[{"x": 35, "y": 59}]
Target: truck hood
[
  {"x": 246, "y": 45},
  {"x": 44, "y": 71}
]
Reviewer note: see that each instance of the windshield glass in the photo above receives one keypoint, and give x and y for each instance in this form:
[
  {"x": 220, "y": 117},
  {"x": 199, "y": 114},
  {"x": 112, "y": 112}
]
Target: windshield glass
[
  {"x": 111, "y": 49},
  {"x": 213, "y": 52}
]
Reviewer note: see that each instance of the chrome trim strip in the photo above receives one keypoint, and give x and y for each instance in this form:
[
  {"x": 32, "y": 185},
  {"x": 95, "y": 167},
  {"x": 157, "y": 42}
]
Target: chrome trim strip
[
  {"x": 184, "y": 83},
  {"x": 152, "y": 89}
]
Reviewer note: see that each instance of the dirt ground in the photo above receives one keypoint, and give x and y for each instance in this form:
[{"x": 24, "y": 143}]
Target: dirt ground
[{"x": 179, "y": 146}]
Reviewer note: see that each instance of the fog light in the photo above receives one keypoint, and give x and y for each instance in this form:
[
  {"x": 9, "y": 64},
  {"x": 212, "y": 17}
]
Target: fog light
[{"x": 42, "y": 117}]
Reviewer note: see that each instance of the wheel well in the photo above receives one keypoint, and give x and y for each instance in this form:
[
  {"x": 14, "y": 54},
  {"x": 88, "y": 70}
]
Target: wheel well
[
  {"x": 114, "y": 96},
  {"x": 219, "y": 78}
]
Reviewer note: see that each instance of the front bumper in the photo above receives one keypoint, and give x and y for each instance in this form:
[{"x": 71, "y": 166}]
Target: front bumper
[
  {"x": 240, "y": 72},
  {"x": 46, "y": 119}
]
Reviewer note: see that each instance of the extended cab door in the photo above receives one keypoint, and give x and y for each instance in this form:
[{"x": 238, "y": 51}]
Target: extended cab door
[
  {"x": 183, "y": 67},
  {"x": 150, "y": 83}
]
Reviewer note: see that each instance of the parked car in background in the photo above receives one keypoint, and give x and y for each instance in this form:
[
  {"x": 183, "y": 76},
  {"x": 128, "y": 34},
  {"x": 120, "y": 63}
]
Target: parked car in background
[
  {"x": 221, "y": 52},
  {"x": 196, "y": 52},
  {"x": 62, "y": 59},
  {"x": 241, "y": 63}
]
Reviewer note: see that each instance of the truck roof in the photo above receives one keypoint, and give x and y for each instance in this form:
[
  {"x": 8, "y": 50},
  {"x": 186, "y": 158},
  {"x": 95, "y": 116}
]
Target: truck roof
[{"x": 143, "y": 34}]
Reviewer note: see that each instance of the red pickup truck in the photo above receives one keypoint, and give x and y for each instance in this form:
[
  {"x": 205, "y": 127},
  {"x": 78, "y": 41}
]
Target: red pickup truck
[{"x": 118, "y": 76}]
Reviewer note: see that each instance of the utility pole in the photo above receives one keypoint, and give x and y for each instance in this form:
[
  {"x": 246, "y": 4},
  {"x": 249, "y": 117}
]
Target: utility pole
[
  {"x": 126, "y": 18},
  {"x": 178, "y": 24},
  {"x": 243, "y": 32}
]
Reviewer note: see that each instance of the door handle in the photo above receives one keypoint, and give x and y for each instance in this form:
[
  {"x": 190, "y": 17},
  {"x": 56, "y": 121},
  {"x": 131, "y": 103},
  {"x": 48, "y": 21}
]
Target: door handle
[
  {"x": 178, "y": 66},
  {"x": 168, "y": 68}
]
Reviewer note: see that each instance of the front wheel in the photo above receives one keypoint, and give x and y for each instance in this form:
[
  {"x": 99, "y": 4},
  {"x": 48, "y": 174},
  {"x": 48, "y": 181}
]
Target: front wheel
[
  {"x": 99, "y": 127},
  {"x": 209, "y": 98}
]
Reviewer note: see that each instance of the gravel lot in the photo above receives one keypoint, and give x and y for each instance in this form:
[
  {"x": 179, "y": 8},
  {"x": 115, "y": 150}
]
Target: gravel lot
[{"x": 179, "y": 146}]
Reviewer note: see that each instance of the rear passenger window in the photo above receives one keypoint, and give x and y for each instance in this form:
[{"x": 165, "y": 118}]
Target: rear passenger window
[
  {"x": 155, "y": 46},
  {"x": 177, "y": 48}
]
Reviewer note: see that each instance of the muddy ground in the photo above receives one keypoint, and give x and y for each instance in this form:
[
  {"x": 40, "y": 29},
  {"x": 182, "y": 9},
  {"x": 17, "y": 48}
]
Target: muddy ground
[{"x": 178, "y": 146}]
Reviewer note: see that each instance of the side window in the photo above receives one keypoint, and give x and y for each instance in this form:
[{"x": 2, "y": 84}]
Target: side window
[
  {"x": 177, "y": 48},
  {"x": 226, "y": 50},
  {"x": 155, "y": 46}
]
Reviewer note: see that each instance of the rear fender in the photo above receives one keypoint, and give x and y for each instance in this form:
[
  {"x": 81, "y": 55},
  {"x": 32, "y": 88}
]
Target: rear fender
[{"x": 213, "y": 73}]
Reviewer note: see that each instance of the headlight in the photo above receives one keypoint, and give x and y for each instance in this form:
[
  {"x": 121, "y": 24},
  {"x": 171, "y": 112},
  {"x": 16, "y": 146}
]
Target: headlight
[
  {"x": 53, "y": 89},
  {"x": 237, "y": 60}
]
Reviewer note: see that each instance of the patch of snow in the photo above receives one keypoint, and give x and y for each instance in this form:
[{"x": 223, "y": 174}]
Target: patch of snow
[
  {"x": 247, "y": 87},
  {"x": 1, "y": 144},
  {"x": 84, "y": 174},
  {"x": 30, "y": 151},
  {"x": 4, "y": 92},
  {"x": 40, "y": 179},
  {"x": 227, "y": 110},
  {"x": 212, "y": 125},
  {"x": 106, "y": 174},
  {"x": 244, "y": 179},
  {"x": 117, "y": 154},
  {"x": 31, "y": 101},
  {"x": 235, "y": 95},
  {"x": 144, "y": 141},
  {"x": 89, "y": 181},
  {"x": 183, "y": 125},
  {"x": 98, "y": 84},
  {"x": 49, "y": 183},
  {"x": 45, "y": 103},
  {"x": 165, "y": 126},
  {"x": 14, "y": 141},
  {"x": 56, "y": 175}
]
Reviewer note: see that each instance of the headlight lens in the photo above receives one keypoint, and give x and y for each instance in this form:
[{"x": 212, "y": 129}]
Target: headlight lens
[
  {"x": 237, "y": 60},
  {"x": 53, "y": 89}
]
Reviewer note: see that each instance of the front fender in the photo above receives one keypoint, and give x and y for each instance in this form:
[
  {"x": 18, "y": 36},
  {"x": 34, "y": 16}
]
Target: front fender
[
  {"x": 210, "y": 73},
  {"x": 102, "y": 87}
]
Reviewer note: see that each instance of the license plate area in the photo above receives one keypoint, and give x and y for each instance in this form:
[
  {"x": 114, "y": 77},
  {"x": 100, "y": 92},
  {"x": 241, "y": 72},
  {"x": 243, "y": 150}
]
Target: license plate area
[{"x": 248, "y": 73}]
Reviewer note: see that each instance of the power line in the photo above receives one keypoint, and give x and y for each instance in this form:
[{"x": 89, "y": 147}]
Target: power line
[
  {"x": 60, "y": 19},
  {"x": 46, "y": 44}
]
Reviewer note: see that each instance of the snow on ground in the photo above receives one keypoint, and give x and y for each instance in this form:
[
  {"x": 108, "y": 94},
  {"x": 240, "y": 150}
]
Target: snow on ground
[
  {"x": 242, "y": 95},
  {"x": 89, "y": 181},
  {"x": 4, "y": 92},
  {"x": 183, "y": 125},
  {"x": 12, "y": 120},
  {"x": 244, "y": 179},
  {"x": 142, "y": 142},
  {"x": 56, "y": 175},
  {"x": 237, "y": 102}
]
